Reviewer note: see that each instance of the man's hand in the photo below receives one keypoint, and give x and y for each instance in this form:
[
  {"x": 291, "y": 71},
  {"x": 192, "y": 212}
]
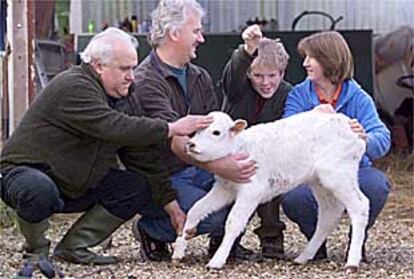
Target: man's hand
[
  {"x": 178, "y": 146},
  {"x": 177, "y": 216},
  {"x": 188, "y": 125},
  {"x": 326, "y": 108},
  {"x": 190, "y": 233},
  {"x": 357, "y": 128},
  {"x": 251, "y": 37},
  {"x": 235, "y": 167}
]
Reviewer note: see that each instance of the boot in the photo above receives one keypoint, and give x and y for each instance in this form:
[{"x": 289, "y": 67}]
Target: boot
[
  {"x": 36, "y": 249},
  {"x": 271, "y": 230},
  {"x": 36, "y": 245},
  {"x": 89, "y": 230},
  {"x": 272, "y": 247},
  {"x": 237, "y": 252}
]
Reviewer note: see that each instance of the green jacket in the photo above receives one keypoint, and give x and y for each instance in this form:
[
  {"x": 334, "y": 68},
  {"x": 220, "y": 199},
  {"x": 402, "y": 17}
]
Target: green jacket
[
  {"x": 148, "y": 161},
  {"x": 240, "y": 98},
  {"x": 71, "y": 130}
]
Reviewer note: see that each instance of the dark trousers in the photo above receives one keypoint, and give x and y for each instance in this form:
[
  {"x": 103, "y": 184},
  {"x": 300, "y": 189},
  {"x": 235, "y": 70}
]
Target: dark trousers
[
  {"x": 35, "y": 196},
  {"x": 270, "y": 224},
  {"x": 191, "y": 184}
]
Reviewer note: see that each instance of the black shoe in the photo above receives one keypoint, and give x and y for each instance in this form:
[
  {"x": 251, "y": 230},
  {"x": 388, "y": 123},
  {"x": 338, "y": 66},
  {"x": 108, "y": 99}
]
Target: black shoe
[
  {"x": 364, "y": 255},
  {"x": 272, "y": 248},
  {"x": 321, "y": 254},
  {"x": 238, "y": 252},
  {"x": 151, "y": 249}
]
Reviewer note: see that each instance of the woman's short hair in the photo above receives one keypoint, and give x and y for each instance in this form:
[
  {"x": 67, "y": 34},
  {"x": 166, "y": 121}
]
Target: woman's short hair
[
  {"x": 170, "y": 15},
  {"x": 100, "y": 48},
  {"x": 271, "y": 54},
  {"x": 331, "y": 50}
]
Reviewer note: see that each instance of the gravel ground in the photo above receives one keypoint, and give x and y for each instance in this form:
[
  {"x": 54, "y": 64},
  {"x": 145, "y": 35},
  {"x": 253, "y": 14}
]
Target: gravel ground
[{"x": 390, "y": 248}]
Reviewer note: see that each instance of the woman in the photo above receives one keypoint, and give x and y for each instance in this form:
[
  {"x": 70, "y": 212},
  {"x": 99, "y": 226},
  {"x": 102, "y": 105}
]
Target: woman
[{"x": 329, "y": 66}]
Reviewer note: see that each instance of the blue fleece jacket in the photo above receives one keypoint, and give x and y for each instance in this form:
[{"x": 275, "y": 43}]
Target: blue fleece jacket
[{"x": 353, "y": 102}]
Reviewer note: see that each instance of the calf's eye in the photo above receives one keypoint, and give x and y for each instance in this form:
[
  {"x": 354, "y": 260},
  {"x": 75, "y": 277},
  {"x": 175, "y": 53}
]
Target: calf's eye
[{"x": 216, "y": 133}]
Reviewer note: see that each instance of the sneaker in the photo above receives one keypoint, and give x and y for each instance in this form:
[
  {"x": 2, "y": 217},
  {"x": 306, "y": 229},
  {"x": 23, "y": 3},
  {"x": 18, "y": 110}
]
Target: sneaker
[
  {"x": 238, "y": 252},
  {"x": 151, "y": 249}
]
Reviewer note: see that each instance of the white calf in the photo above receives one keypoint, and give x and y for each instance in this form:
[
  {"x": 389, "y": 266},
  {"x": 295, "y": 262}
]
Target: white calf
[{"x": 314, "y": 148}]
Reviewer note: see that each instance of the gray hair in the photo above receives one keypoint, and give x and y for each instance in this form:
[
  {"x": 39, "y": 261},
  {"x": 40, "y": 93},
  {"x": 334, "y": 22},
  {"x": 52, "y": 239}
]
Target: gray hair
[
  {"x": 100, "y": 48},
  {"x": 271, "y": 53},
  {"x": 170, "y": 15}
]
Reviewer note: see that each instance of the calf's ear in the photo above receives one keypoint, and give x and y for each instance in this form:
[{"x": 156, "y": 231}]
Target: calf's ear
[{"x": 239, "y": 125}]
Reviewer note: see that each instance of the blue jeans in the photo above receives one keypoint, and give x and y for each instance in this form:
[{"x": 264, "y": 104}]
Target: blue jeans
[
  {"x": 301, "y": 207},
  {"x": 191, "y": 184},
  {"x": 35, "y": 196}
]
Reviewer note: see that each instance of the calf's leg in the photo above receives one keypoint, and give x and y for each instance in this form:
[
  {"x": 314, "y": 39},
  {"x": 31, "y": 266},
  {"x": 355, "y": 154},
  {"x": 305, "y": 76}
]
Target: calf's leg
[
  {"x": 344, "y": 186},
  {"x": 329, "y": 214},
  {"x": 357, "y": 206},
  {"x": 236, "y": 222},
  {"x": 213, "y": 201}
]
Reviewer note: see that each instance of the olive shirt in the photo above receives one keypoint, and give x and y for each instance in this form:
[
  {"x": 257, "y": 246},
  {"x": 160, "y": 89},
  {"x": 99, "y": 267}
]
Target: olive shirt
[
  {"x": 160, "y": 95},
  {"x": 72, "y": 132},
  {"x": 240, "y": 98}
]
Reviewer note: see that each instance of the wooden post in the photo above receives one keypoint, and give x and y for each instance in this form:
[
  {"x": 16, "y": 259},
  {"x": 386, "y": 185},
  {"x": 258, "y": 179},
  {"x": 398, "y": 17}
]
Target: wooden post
[
  {"x": 5, "y": 97},
  {"x": 20, "y": 68},
  {"x": 31, "y": 67}
]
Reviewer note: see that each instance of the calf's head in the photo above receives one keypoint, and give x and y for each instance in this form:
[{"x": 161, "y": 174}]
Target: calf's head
[{"x": 217, "y": 140}]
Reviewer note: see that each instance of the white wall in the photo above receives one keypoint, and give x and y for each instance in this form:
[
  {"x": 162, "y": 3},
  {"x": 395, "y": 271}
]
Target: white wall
[{"x": 231, "y": 15}]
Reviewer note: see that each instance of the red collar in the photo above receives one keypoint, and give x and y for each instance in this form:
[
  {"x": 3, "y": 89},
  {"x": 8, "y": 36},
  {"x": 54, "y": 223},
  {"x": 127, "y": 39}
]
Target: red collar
[{"x": 335, "y": 98}]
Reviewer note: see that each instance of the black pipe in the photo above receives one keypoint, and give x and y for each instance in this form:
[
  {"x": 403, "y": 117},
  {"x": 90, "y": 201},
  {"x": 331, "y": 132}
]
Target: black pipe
[
  {"x": 305, "y": 13},
  {"x": 406, "y": 82}
]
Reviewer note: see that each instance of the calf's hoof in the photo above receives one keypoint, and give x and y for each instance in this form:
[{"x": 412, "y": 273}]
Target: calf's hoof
[
  {"x": 351, "y": 269},
  {"x": 179, "y": 249},
  {"x": 214, "y": 264},
  {"x": 300, "y": 260},
  {"x": 177, "y": 256}
]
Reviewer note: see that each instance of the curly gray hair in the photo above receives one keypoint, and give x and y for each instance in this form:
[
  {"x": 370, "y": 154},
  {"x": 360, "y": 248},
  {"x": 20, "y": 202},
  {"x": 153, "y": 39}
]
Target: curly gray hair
[
  {"x": 100, "y": 48},
  {"x": 170, "y": 15}
]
